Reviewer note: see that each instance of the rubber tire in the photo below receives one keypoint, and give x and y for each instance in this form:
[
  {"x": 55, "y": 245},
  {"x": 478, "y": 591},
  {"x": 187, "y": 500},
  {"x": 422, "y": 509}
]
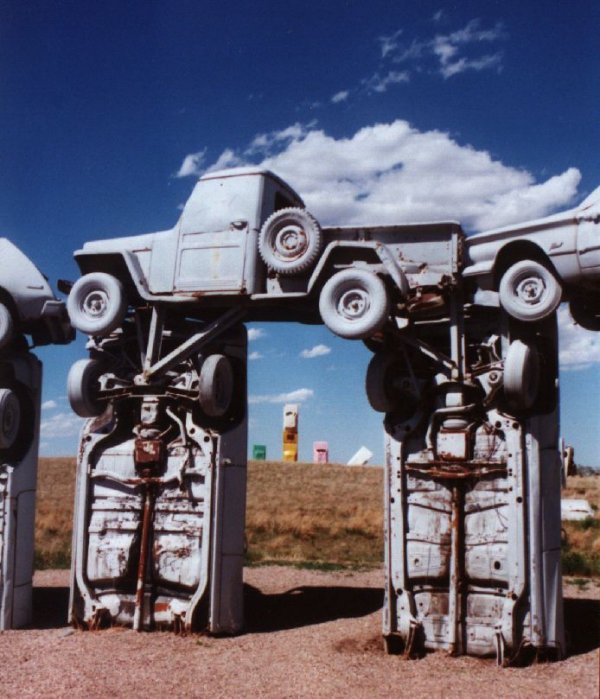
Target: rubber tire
[
  {"x": 10, "y": 417},
  {"x": 521, "y": 375},
  {"x": 529, "y": 276},
  {"x": 379, "y": 383},
  {"x": 102, "y": 289},
  {"x": 290, "y": 240},
  {"x": 585, "y": 312},
  {"x": 354, "y": 286},
  {"x": 82, "y": 387},
  {"x": 216, "y": 385},
  {"x": 7, "y": 326}
]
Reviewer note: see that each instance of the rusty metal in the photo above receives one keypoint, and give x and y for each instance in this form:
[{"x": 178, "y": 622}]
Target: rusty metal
[
  {"x": 159, "y": 511},
  {"x": 472, "y": 533},
  {"x": 456, "y": 576},
  {"x": 149, "y": 496},
  {"x": 148, "y": 451},
  {"x": 447, "y": 471}
]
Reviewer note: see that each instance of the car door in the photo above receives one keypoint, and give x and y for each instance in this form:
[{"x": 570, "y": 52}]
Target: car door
[
  {"x": 213, "y": 235},
  {"x": 588, "y": 246}
]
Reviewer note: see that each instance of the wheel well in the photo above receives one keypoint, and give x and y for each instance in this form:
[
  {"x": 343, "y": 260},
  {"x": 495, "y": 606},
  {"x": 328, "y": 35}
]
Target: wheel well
[
  {"x": 113, "y": 264},
  {"x": 514, "y": 252},
  {"x": 341, "y": 258},
  {"x": 9, "y": 302}
]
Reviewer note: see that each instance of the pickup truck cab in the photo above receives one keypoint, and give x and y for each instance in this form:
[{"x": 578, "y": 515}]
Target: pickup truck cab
[{"x": 244, "y": 239}]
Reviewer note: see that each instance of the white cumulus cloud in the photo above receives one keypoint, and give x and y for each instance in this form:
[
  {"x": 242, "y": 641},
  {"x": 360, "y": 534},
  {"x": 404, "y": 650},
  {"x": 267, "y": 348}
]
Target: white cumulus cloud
[
  {"x": 61, "y": 425},
  {"x": 340, "y": 96},
  {"x": 316, "y": 351},
  {"x": 392, "y": 172},
  {"x": 49, "y": 404},
  {"x": 255, "y": 334},
  {"x": 578, "y": 348},
  {"x": 255, "y": 355},
  {"x": 192, "y": 164},
  {"x": 298, "y": 396}
]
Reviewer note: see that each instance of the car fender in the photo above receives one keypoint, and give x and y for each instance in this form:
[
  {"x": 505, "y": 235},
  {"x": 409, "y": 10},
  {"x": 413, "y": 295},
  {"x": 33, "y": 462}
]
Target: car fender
[
  {"x": 385, "y": 257},
  {"x": 122, "y": 264},
  {"x": 22, "y": 281}
]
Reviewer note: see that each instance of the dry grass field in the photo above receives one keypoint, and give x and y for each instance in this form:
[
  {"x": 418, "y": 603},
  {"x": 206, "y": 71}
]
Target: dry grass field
[
  {"x": 314, "y": 514},
  {"x": 581, "y": 540},
  {"x": 54, "y": 515},
  {"x": 302, "y": 514}
]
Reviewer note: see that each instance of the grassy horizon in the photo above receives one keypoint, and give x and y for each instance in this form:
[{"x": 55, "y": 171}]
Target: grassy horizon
[{"x": 310, "y": 515}]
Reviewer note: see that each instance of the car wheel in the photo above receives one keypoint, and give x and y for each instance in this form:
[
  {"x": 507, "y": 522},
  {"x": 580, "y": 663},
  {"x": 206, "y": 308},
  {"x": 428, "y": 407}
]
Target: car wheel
[
  {"x": 354, "y": 304},
  {"x": 216, "y": 385},
  {"x": 10, "y": 417},
  {"x": 290, "y": 240},
  {"x": 387, "y": 386},
  {"x": 521, "y": 375},
  {"x": 97, "y": 304},
  {"x": 585, "y": 311},
  {"x": 83, "y": 387},
  {"x": 6, "y": 325},
  {"x": 529, "y": 291}
]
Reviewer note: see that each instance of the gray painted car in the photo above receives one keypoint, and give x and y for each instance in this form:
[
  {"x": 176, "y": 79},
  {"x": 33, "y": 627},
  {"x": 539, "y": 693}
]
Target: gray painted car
[
  {"x": 537, "y": 264},
  {"x": 245, "y": 240},
  {"x": 27, "y": 303}
]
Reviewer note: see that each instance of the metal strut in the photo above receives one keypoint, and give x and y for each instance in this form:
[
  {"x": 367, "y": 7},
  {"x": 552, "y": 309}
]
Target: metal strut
[{"x": 189, "y": 347}]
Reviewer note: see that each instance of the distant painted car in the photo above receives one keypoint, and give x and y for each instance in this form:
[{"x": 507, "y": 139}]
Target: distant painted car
[
  {"x": 535, "y": 265},
  {"x": 27, "y": 304},
  {"x": 245, "y": 240}
]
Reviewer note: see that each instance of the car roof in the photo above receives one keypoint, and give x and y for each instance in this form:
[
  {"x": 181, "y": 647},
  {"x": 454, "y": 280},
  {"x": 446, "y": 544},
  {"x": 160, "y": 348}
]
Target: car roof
[{"x": 252, "y": 170}]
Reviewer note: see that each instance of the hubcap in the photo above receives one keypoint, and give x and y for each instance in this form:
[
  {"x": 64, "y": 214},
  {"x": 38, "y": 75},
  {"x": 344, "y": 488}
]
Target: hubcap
[
  {"x": 95, "y": 303},
  {"x": 353, "y": 304},
  {"x": 290, "y": 242},
  {"x": 8, "y": 422},
  {"x": 10, "y": 419},
  {"x": 530, "y": 290}
]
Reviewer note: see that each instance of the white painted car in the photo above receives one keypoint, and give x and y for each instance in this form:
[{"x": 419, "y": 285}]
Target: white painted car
[
  {"x": 244, "y": 240},
  {"x": 27, "y": 304},
  {"x": 537, "y": 264}
]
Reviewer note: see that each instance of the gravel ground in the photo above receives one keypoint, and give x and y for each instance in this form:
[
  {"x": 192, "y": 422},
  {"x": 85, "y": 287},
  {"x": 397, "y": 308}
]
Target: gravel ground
[{"x": 310, "y": 634}]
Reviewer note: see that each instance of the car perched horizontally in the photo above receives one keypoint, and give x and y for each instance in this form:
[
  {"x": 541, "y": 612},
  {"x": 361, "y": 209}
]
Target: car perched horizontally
[
  {"x": 535, "y": 265},
  {"x": 245, "y": 240},
  {"x": 27, "y": 303}
]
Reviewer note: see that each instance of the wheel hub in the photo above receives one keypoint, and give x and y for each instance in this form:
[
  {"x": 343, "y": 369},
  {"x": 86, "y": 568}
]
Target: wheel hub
[
  {"x": 290, "y": 242},
  {"x": 353, "y": 304},
  {"x": 530, "y": 290},
  {"x": 95, "y": 304},
  {"x": 8, "y": 421}
]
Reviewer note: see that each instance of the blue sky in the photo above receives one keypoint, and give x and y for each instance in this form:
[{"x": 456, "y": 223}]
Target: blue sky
[{"x": 482, "y": 111}]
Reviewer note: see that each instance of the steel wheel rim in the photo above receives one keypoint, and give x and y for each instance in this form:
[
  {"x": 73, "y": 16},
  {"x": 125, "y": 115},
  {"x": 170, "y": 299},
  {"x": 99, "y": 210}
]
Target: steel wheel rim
[{"x": 353, "y": 304}]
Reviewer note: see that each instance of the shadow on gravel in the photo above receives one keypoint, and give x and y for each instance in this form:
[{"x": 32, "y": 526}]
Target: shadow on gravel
[
  {"x": 304, "y": 606},
  {"x": 582, "y": 625},
  {"x": 50, "y": 605}
]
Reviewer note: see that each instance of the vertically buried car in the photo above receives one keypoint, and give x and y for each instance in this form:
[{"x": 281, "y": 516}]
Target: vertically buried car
[
  {"x": 244, "y": 240},
  {"x": 535, "y": 265}
]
